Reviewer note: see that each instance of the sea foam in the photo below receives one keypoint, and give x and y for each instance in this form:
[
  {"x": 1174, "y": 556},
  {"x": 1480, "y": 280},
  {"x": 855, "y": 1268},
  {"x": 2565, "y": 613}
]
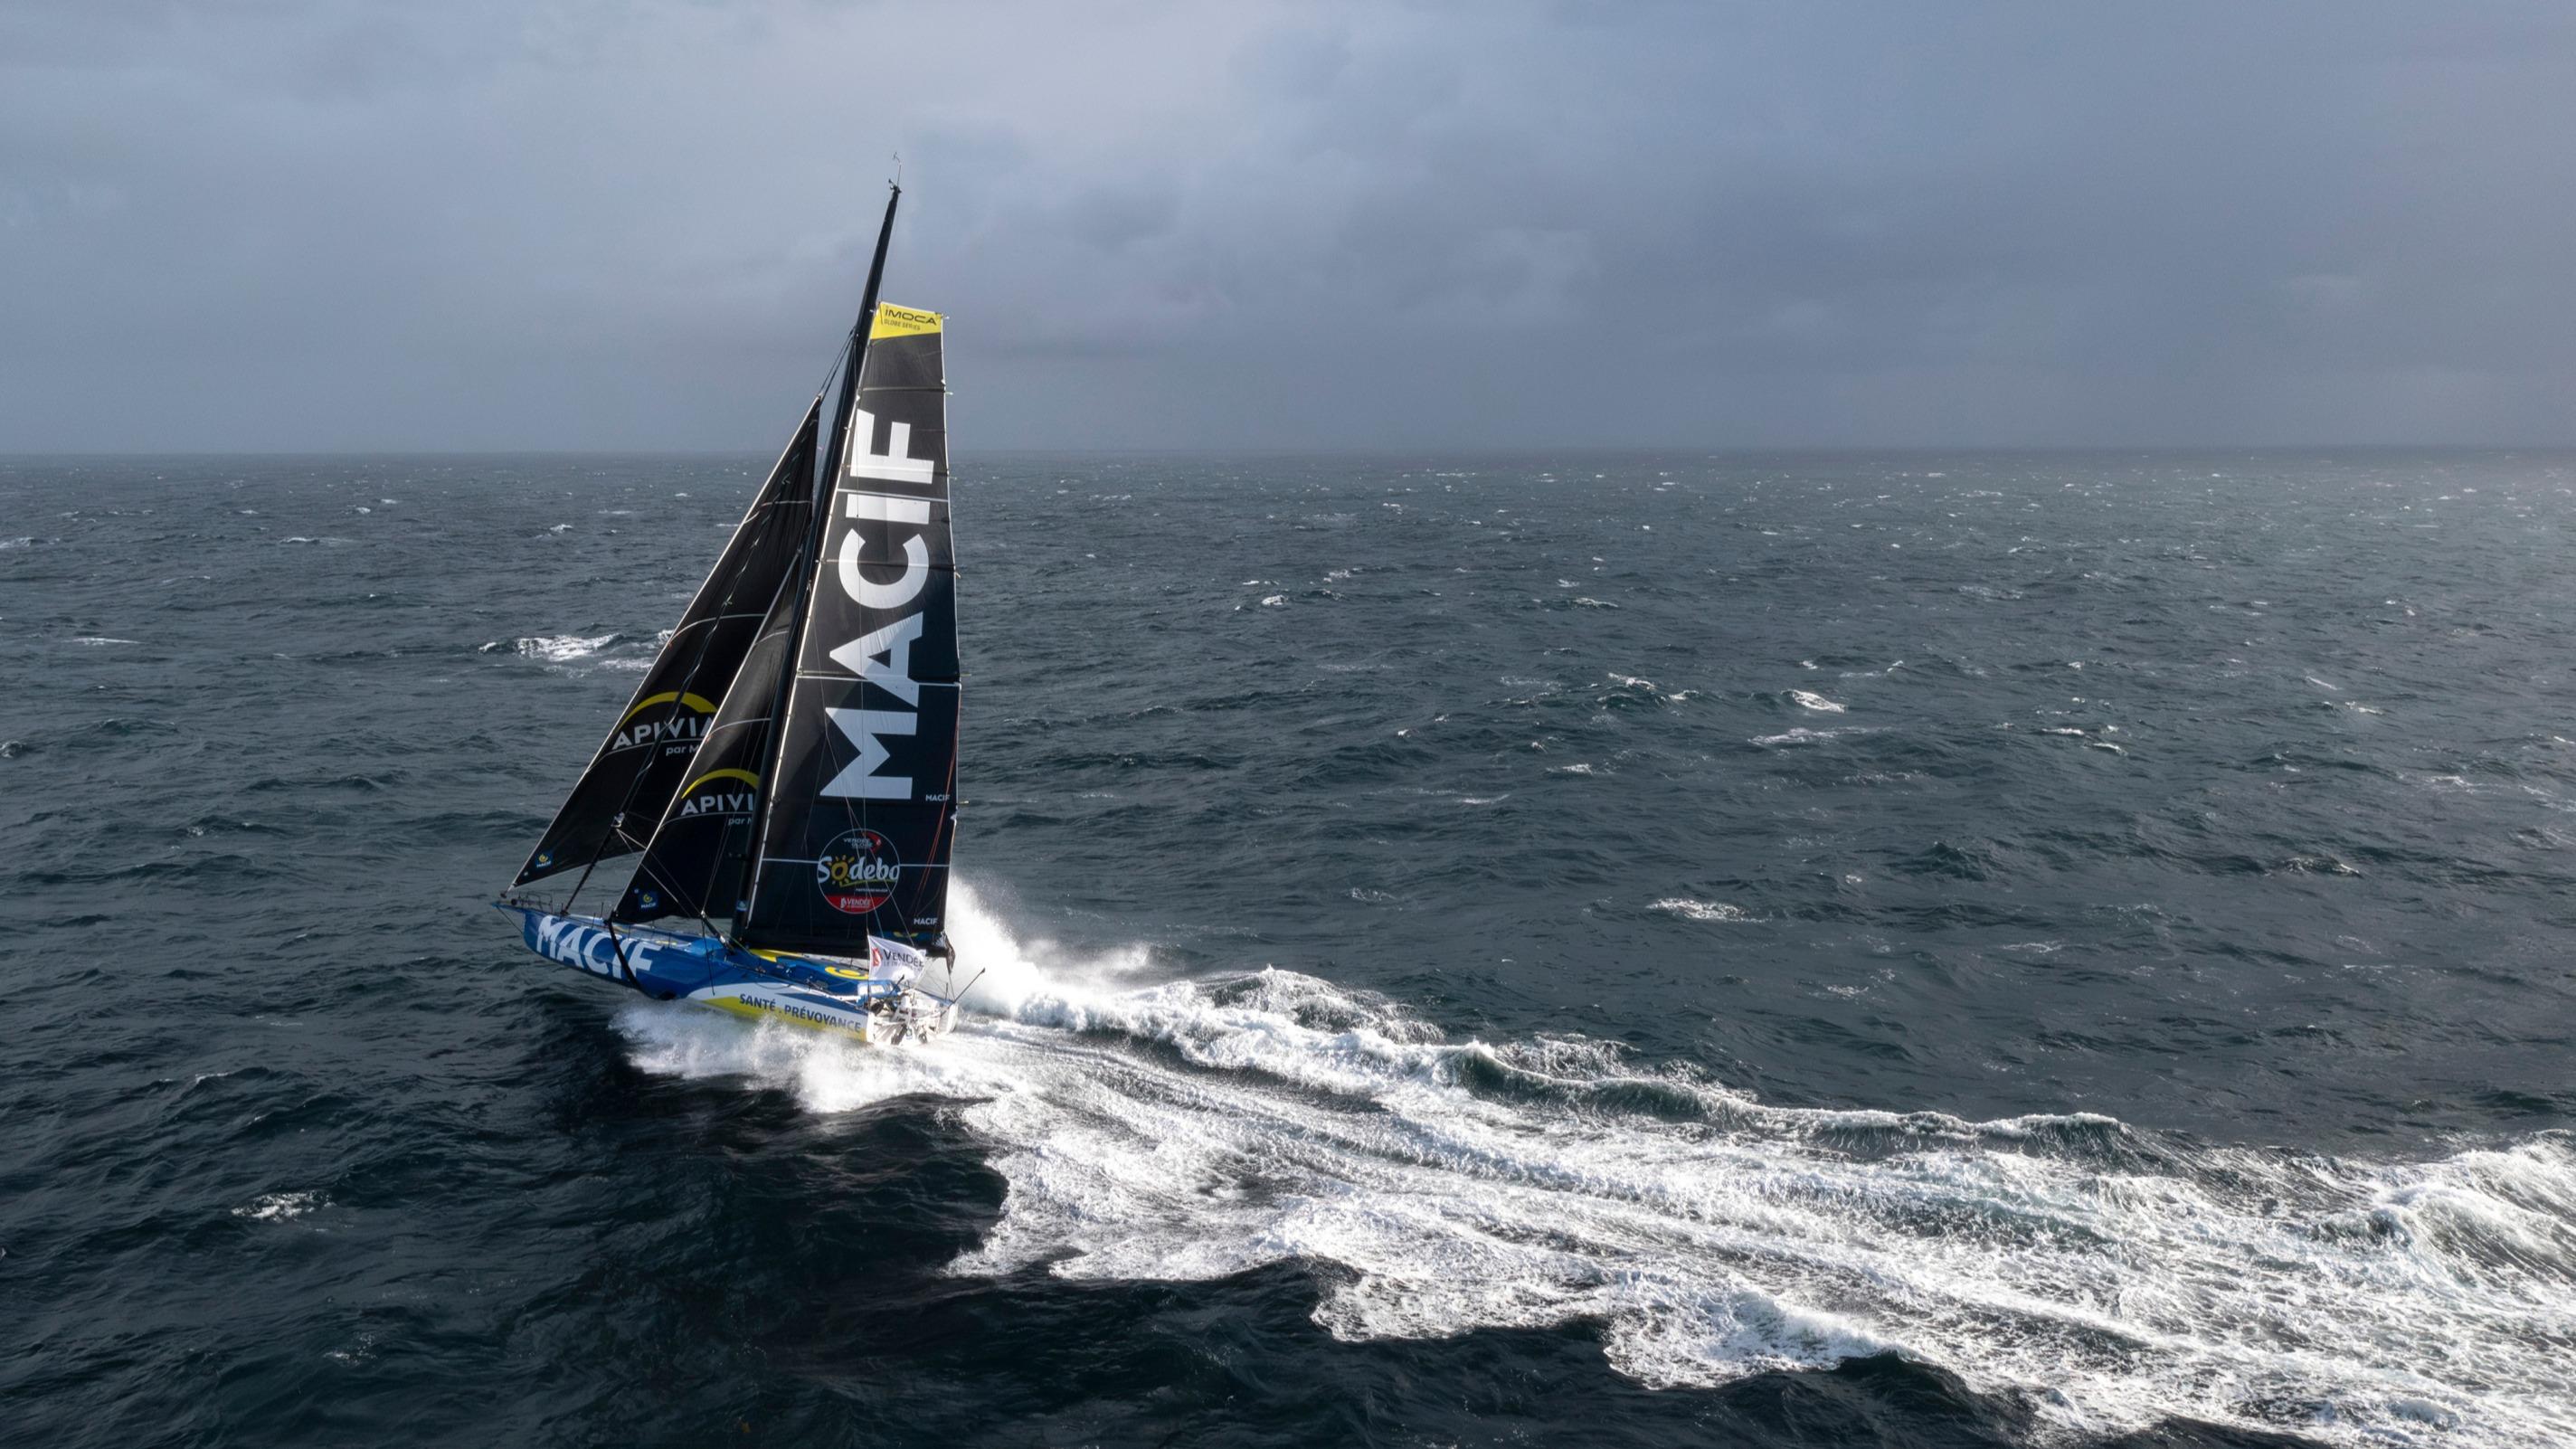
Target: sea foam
[{"x": 1191, "y": 1129}]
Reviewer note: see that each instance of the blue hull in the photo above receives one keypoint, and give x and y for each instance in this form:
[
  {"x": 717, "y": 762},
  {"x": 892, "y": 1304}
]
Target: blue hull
[{"x": 712, "y": 972}]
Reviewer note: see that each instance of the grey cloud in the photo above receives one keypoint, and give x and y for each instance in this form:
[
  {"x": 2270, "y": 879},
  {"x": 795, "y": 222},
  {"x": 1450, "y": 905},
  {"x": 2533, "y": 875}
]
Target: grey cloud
[{"x": 628, "y": 223}]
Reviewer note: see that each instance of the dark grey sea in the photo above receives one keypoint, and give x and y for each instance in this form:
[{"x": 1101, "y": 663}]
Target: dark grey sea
[{"x": 1932, "y": 949}]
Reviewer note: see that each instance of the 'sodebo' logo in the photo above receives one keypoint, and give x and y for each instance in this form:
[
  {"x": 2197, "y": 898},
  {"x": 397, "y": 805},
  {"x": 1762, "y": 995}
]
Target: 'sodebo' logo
[{"x": 857, "y": 872}]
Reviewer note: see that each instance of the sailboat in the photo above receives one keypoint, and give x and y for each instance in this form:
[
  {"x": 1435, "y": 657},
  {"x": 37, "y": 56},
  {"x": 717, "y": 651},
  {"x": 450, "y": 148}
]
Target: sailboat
[{"x": 785, "y": 774}]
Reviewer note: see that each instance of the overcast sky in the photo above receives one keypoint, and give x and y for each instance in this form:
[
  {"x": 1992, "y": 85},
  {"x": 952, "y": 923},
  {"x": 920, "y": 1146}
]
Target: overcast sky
[{"x": 470, "y": 224}]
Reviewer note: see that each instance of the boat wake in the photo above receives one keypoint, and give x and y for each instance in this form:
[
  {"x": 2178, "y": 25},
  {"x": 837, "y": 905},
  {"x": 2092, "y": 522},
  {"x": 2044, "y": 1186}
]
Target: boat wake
[{"x": 1194, "y": 1129}]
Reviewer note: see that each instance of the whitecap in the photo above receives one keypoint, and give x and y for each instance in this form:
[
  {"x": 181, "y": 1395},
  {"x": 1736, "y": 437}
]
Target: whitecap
[
  {"x": 1808, "y": 699},
  {"x": 556, "y": 648},
  {"x": 1691, "y": 910},
  {"x": 278, "y": 1207},
  {"x": 1800, "y": 736},
  {"x": 95, "y": 640}
]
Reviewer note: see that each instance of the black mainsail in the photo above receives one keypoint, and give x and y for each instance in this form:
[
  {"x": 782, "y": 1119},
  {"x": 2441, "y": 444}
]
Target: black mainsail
[
  {"x": 644, "y": 761},
  {"x": 860, "y": 797}
]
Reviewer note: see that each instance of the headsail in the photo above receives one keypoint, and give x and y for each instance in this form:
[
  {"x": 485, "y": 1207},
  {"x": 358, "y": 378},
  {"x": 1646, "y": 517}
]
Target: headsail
[
  {"x": 857, "y": 828},
  {"x": 642, "y": 763},
  {"x": 695, "y": 863}
]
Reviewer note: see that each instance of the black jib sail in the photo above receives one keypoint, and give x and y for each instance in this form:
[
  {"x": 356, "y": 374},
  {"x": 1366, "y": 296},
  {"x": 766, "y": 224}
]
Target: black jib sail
[
  {"x": 857, "y": 828},
  {"x": 644, "y": 760},
  {"x": 694, "y": 866}
]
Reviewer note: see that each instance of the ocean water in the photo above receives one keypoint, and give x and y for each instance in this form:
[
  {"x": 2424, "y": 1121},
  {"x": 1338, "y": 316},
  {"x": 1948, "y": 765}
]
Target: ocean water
[{"x": 1936, "y": 949}]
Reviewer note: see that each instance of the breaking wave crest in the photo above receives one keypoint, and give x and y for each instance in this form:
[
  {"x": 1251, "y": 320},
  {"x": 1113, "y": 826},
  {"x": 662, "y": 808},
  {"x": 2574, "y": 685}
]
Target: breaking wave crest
[
  {"x": 1158, "y": 1129},
  {"x": 553, "y": 648}
]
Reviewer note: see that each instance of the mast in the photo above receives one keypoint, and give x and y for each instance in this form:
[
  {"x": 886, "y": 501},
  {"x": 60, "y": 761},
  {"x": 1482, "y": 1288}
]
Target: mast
[
  {"x": 859, "y": 787},
  {"x": 857, "y": 355}
]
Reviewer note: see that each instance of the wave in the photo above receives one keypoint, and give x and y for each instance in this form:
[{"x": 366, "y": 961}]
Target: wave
[
  {"x": 1162, "y": 1130},
  {"x": 1691, "y": 910},
  {"x": 278, "y": 1207},
  {"x": 1800, "y": 735},
  {"x": 552, "y": 648}
]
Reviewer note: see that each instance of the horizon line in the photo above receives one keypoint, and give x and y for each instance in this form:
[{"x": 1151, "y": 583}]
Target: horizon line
[{"x": 1283, "y": 450}]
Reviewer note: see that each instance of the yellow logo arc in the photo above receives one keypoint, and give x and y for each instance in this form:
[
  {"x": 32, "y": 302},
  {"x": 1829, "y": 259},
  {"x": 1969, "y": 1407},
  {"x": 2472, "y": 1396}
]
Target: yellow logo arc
[{"x": 698, "y": 702}]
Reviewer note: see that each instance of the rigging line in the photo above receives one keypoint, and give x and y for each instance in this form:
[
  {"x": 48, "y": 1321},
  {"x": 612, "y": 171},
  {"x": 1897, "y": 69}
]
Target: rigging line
[
  {"x": 740, "y": 861},
  {"x": 809, "y": 562},
  {"x": 697, "y": 662},
  {"x": 601, "y": 753},
  {"x": 775, "y": 751},
  {"x": 645, "y": 867},
  {"x": 854, "y": 810},
  {"x": 706, "y": 742},
  {"x": 617, "y": 949}
]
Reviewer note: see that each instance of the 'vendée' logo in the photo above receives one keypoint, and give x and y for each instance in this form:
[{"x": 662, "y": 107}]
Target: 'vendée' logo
[{"x": 858, "y": 872}]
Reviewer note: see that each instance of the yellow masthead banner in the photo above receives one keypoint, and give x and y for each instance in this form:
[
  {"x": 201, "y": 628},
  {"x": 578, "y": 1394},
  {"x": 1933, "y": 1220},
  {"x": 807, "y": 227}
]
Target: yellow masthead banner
[{"x": 894, "y": 321}]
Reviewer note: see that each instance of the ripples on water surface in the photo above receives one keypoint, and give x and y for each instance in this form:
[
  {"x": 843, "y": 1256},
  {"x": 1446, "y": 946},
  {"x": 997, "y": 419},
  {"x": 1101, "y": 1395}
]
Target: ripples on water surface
[{"x": 1793, "y": 951}]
